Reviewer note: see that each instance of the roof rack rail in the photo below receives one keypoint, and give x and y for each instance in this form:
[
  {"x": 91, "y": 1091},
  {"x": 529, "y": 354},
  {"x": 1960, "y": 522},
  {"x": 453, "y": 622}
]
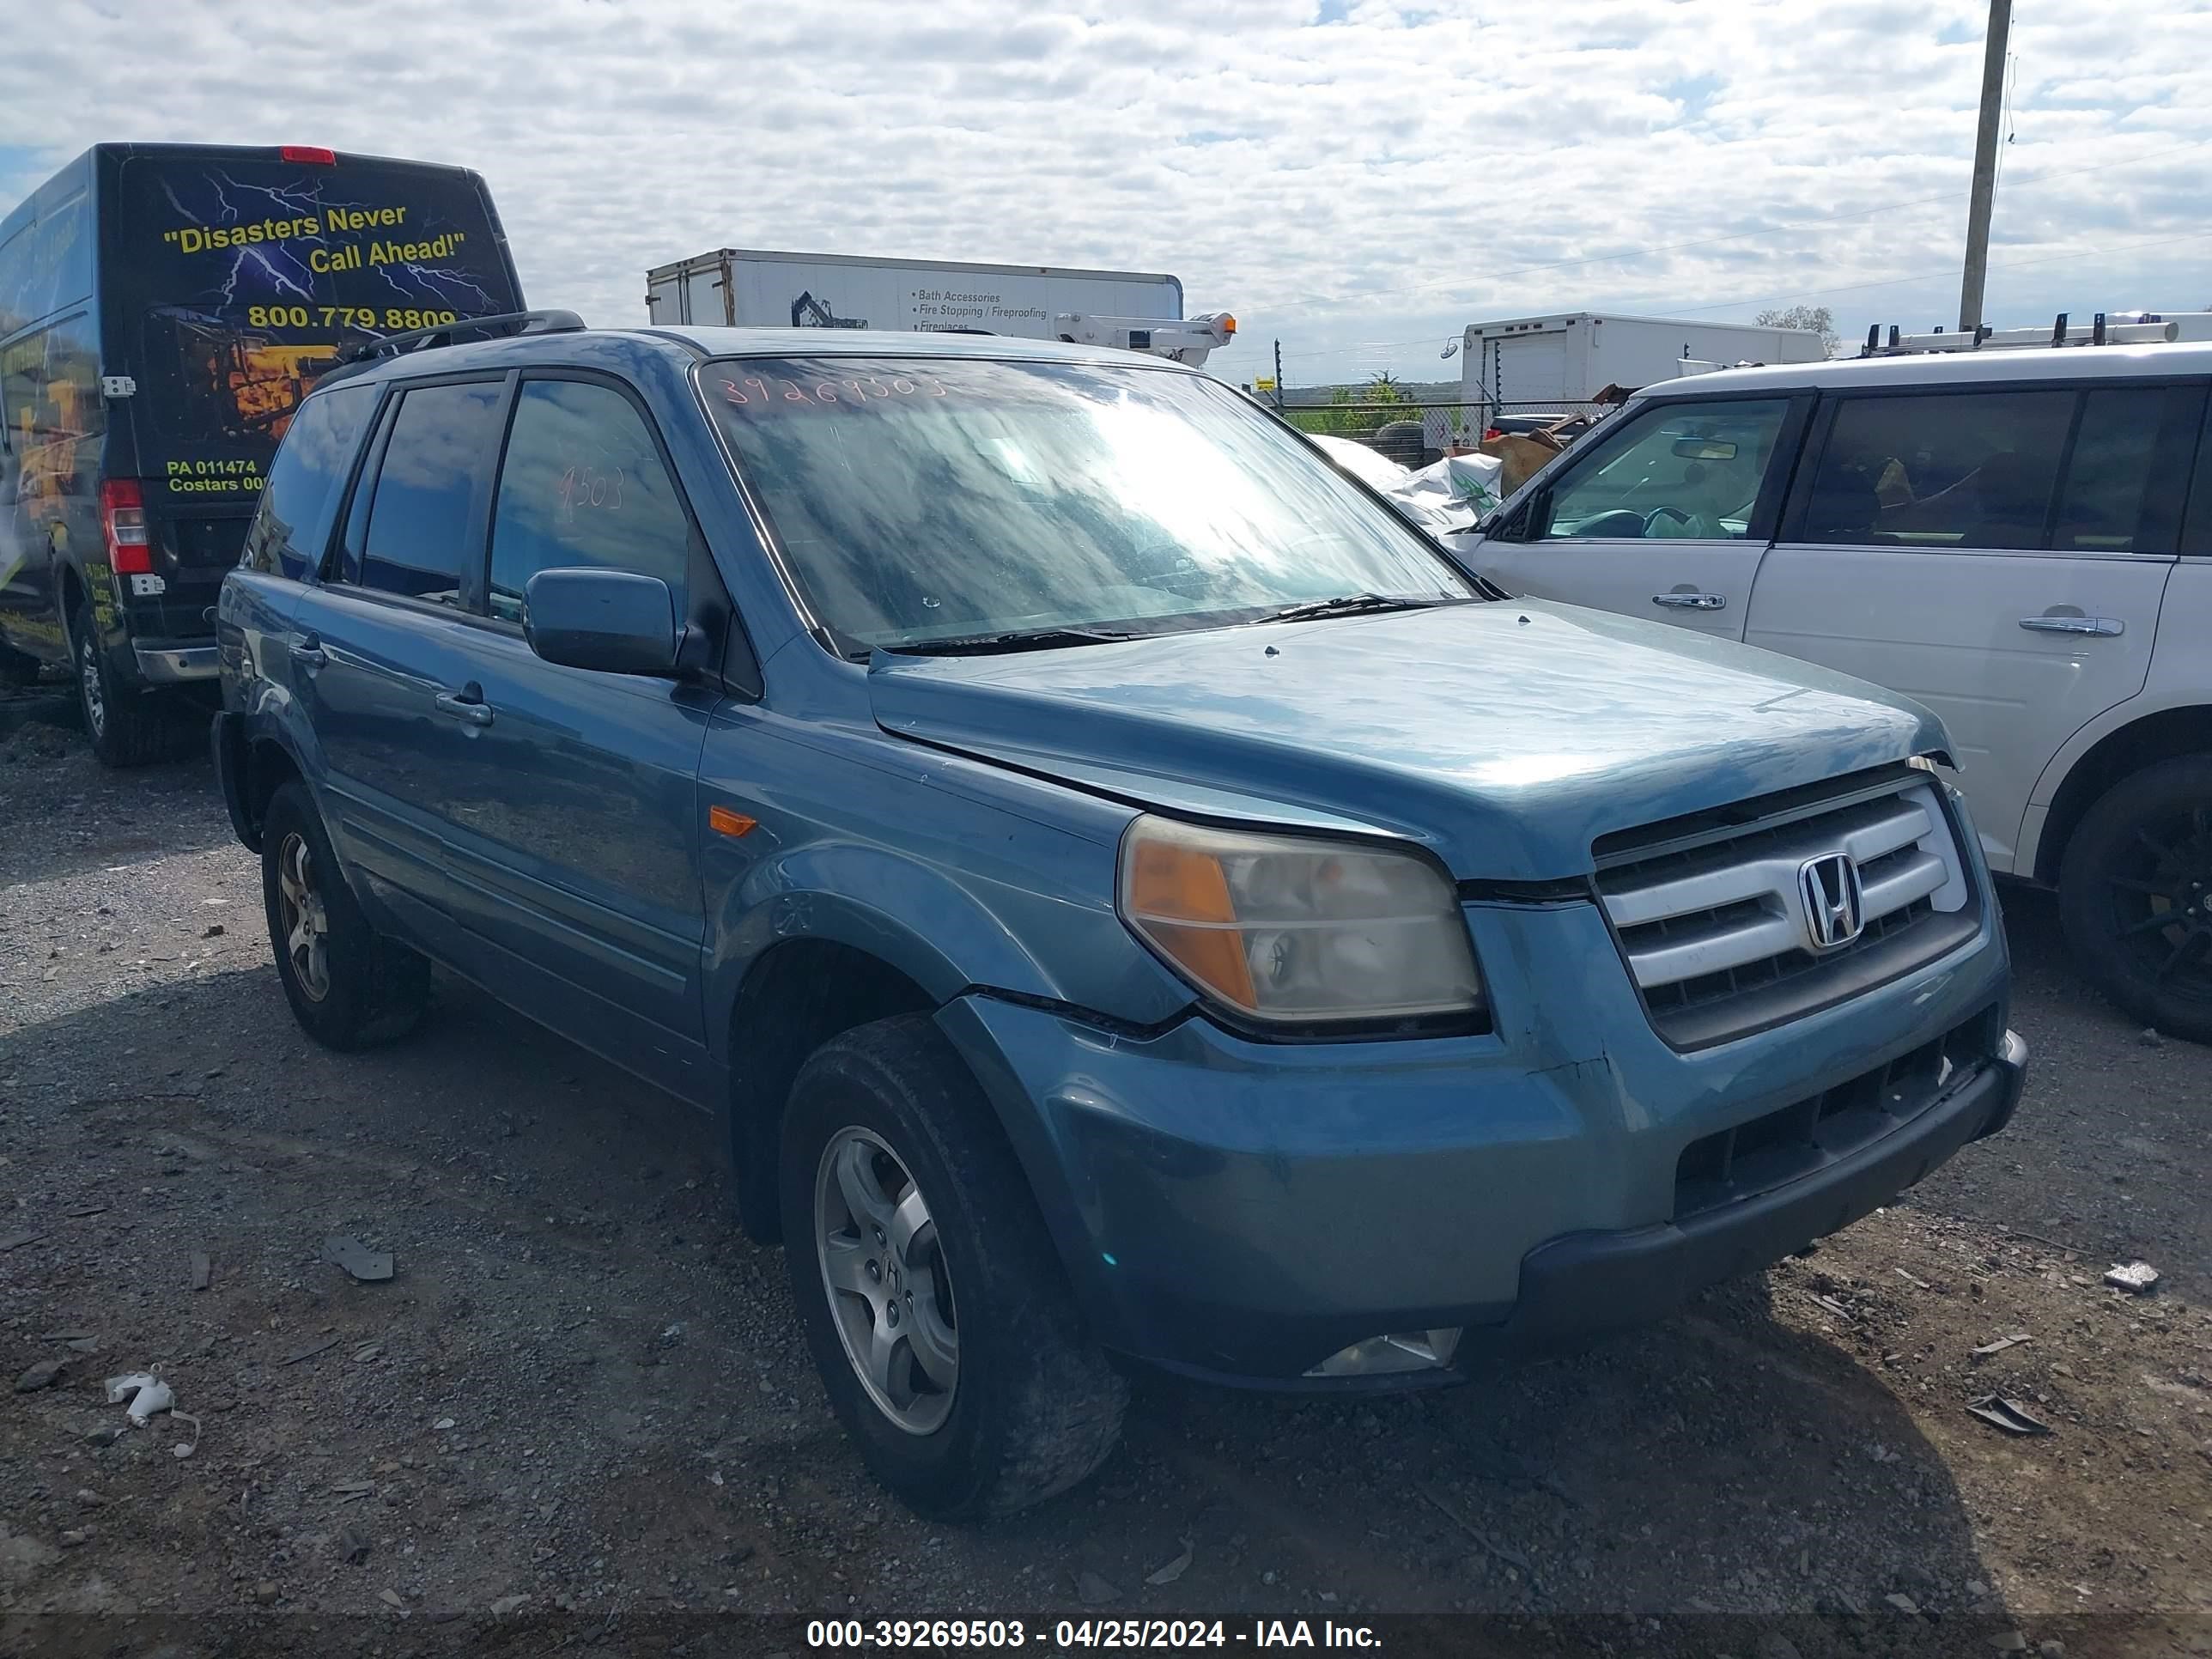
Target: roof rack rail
[
  {"x": 2137, "y": 328},
  {"x": 421, "y": 339}
]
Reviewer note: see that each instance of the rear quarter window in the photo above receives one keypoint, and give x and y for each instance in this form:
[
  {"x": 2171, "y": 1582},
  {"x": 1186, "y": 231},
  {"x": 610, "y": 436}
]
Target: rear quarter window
[{"x": 293, "y": 524}]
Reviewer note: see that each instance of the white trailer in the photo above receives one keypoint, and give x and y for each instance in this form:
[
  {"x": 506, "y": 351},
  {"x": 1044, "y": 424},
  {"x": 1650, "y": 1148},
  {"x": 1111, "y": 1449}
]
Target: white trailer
[
  {"x": 1564, "y": 361},
  {"x": 749, "y": 288}
]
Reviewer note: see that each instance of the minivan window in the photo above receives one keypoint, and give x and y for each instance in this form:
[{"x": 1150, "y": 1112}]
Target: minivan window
[
  {"x": 920, "y": 499},
  {"x": 439, "y": 453},
  {"x": 2101, "y": 502},
  {"x": 1971, "y": 468},
  {"x": 1676, "y": 470},
  {"x": 293, "y": 523},
  {"x": 583, "y": 484}
]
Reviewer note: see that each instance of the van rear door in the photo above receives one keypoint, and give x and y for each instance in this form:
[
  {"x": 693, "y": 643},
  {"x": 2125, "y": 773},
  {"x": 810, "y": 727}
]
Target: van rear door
[{"x": 235, "y": 279}]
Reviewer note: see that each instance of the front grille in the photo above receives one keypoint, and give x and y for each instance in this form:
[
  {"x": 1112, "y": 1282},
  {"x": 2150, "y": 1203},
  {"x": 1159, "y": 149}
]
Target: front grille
[
  {"x": 1712, "y": 918},
  {"x": 1790, "y": 1144}
]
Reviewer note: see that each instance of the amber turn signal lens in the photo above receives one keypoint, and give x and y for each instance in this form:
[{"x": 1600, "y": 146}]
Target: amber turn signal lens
[
  {"x": 726, "y": 821},
  {"x": 1172, "y": 886}
]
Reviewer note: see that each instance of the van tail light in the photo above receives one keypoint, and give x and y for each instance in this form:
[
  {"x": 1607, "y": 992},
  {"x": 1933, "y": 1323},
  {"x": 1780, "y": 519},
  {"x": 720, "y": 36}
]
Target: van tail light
[
  {"x": 123, "y": 520},
  {"x": 311, "y": 153}
]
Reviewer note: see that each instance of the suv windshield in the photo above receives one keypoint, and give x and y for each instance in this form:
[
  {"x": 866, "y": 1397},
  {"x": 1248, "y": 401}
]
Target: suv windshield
[{"x": 925, "y": 500}]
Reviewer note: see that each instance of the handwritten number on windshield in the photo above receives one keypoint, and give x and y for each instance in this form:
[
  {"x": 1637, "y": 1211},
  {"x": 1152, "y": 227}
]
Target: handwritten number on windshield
[{"x": 755, "y": 391}]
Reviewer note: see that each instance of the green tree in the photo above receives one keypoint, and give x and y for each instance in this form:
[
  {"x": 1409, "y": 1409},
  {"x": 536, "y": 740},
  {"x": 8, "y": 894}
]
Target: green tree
[{"x": 1814, "y": 319}]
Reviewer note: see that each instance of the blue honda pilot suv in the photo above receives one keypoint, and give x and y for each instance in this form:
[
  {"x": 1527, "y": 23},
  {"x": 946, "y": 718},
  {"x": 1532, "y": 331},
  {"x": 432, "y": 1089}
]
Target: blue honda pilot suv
[{"x": 1130, "y": 898}]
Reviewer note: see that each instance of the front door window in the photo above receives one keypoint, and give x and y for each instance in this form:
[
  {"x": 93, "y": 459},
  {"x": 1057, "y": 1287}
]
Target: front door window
[{"x": 1676, "y": 470}]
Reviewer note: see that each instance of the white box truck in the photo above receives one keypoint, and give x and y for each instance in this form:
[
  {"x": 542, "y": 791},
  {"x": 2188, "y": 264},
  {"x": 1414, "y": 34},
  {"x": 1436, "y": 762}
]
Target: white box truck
[
  {"x": 1565, "y": 359},
  {"x": 749, "y": 288}
]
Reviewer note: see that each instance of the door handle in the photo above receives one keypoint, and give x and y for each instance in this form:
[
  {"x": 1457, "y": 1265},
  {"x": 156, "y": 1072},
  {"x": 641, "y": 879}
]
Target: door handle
[
  {"x": 2106, "y": 625},
  {"x": 1692, "y": 601},
  {"x": 308, "y": 652},
  {"x": 466, "y": 704}
]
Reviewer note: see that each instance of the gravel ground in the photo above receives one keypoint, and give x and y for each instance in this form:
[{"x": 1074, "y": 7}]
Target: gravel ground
[{"x": 580, "y": 1416}]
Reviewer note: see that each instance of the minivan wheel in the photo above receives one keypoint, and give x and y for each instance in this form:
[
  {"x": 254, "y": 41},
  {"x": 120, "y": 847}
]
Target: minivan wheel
[
  {"x": 349, "y": 986},
  {"x": 930, "y": 1297},
  {"x": 2134, "y": 894},
  {"x": 125, "y": 728}
]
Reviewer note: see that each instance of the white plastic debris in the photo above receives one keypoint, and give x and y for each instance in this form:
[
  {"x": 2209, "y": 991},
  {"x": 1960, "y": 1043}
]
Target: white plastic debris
[
  {"x": 2136, "y": 1276},
  {"x": 146, "y": 1393}
]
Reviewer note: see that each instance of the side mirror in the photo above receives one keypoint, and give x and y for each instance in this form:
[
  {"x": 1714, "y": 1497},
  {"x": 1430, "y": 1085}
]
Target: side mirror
[{"x": 614, "y": 622}]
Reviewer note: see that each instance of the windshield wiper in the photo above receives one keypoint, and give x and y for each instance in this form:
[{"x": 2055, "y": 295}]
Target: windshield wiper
[
  {"x": 1348, "y": 604},
  {"x": 1027, "y": 639}
]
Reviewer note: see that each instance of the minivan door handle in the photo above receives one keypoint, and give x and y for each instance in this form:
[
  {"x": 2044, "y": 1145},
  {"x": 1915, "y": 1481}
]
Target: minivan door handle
[
  {"x": 1692, "y": 601},
  {"x": 308, "y": 652},
  {"x": 466, "y": 704},
  {"x": 2104, "y": 625}
]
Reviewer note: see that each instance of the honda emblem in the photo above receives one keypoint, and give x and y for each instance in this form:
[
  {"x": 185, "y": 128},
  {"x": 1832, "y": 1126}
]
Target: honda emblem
[{"x": 1835, "y": 902}]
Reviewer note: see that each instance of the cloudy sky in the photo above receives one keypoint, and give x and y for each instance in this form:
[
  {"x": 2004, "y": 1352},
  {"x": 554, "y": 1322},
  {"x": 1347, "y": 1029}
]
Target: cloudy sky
[{"x": 1357, "y": 177}]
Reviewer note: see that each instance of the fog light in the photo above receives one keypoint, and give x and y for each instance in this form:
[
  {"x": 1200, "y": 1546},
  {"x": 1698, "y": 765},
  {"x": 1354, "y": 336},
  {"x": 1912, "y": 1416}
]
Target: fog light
[{"x": 1380, "y": 1356}]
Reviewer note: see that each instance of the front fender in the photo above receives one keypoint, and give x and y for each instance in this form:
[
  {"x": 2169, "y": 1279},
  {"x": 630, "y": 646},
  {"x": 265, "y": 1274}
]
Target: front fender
[{"x": 948, "y": 936}]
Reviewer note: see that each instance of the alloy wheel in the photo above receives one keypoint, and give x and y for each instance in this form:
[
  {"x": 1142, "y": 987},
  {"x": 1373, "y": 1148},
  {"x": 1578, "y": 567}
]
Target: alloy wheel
[
  {"x": 883, "y": 1270},
  {"x": 2161, "y": 899},
  {"x": 306, "y": 922},
  {"x": 96, "y": 699}
]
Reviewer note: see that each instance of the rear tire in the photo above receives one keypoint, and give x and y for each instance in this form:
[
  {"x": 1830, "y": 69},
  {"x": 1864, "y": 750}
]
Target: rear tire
[
  {"x": 349, "y": 986},
  {"x": 1000, "y": 1400},
  {"x": 127, "y": 728},
  {"x": 2134, "y": 895}
]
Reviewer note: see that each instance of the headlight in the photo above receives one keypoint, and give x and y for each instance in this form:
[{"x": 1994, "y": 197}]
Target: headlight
[{"x": 1287, "y": 929}]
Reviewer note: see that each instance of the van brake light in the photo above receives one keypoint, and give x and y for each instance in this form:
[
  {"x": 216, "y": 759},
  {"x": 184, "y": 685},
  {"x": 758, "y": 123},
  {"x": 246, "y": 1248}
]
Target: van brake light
[
  {"x": 123, "y": 520},
  {"x": 314, "y": 153}
]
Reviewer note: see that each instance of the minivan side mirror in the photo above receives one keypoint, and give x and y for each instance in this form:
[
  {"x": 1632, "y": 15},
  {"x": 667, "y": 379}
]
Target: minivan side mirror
[{"x": 615, "y": 622}]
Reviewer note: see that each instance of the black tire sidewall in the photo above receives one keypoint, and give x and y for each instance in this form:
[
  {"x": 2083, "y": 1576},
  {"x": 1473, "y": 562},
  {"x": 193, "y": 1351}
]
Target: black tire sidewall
[
  {"x": 84, "y": 647},
  {"x": 340, "y": 1018},
  {"x": 946, "y": 1473},
  {"x": 130, "y": 733},
  {"x": 2084, "y": 907}
]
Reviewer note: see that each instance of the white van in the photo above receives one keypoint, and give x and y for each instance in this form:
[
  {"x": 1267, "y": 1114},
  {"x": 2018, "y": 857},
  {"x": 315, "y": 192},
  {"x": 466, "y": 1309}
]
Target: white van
[{"x": 2022, "y": 540}]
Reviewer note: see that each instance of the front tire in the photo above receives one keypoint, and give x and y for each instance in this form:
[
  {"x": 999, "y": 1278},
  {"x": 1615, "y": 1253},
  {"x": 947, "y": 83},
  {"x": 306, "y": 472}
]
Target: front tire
[
  {"x": 349, "y": 986},
  {"x": 2134, "y": 895},
  {"x": 929, "y": 1290},
  {"x": 126, "y": 727}
]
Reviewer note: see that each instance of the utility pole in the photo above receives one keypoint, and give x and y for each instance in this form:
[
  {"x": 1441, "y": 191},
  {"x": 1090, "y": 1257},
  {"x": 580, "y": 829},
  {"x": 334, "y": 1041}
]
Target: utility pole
[
  {"x": 1279, "y": 377},
  {"x": 1985, "y": 167}
]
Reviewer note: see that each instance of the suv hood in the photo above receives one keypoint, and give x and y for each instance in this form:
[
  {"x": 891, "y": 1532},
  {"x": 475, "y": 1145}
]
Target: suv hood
[{"x": 1504, "y": 736}]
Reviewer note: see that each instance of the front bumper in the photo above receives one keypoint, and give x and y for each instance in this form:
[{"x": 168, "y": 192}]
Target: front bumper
[
  {"x": 1588, "y": 1284},
  {"x": 1241, "y": 1211}
]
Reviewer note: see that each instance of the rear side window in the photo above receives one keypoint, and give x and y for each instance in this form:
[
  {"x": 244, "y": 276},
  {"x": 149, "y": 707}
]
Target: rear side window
[
  {"x": 1990, "y": 469},
  {"x": 293, "y": 523},
  {"x": 583, "y": 485},
  {"x": 422, "y": 520},
  {"x": 2101, "y": 504}
]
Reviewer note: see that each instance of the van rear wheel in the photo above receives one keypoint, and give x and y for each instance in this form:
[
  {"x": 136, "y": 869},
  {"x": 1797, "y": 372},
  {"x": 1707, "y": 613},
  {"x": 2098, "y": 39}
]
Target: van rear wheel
[
  {"x": 126, "y": 727},
  {"x": 2134, "y": 895}
]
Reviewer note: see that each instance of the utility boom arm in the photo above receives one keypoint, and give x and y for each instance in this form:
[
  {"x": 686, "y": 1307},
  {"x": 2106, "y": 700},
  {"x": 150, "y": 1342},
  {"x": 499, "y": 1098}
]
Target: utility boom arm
[{"x": 1187, "y": 342}]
